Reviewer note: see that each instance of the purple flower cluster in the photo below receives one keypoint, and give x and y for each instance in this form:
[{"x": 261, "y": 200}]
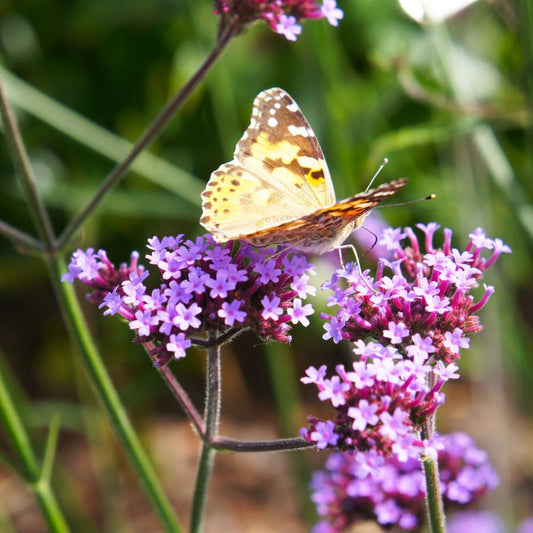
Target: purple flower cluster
[
  {"x": 283, "y": 16},
  {"x": 380, "y": 404},
  {"x": 360, "y": 486},
  {"x": 414, "y": 323},
  {"x": 426, "y": 294},
  {"x": 202, "y": 287}
]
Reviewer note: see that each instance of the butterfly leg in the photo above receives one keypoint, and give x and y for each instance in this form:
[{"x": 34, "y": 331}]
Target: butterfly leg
[{"x": 357, "y": 262}]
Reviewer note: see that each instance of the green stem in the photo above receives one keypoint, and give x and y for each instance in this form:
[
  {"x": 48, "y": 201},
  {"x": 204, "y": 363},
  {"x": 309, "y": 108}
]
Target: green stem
[
  {"x": 21, "y": 442},
  {"x": 434, "y": 503},
  {"x": 108, "y": 395},
  {"x": 19, "y": 237},
  {"x": 278, "y": 445},
  {"x": 78, "y": 329},
  {"x": 148, "y": 136},
  {"x": 212, "y": 420},
  {"x": 434, "y": 506}
]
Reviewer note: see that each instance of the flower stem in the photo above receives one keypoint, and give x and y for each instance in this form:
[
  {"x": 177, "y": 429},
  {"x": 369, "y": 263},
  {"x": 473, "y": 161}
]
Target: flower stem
[
  {"x": 278, "y": 445},
  {"x": 212, "y": 420},
  {"x": 148, "y": 136},
  {"x": 434, "y": 504},
  {"x": 183, "y": 399},
  {"x": 19, "y": 237},
  {"x": 21, "y": 162}
]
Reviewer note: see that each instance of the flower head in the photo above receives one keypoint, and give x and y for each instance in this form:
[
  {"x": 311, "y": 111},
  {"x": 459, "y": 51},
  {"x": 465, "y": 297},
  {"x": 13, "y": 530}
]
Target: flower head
[
  {"x": 283, "y": 16},
  {"x": 202, "y": 287},
  {"x": 426, "y": 294},
  {"x": 359, "y": 486}
]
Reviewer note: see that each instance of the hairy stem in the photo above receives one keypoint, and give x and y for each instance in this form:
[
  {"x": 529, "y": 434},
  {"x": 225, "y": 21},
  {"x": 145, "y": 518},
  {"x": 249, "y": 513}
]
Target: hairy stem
[
  {"x": 278, "y": 445},
  {"x": 212, "y": 420},
  {"x": 434, "y": 504}
]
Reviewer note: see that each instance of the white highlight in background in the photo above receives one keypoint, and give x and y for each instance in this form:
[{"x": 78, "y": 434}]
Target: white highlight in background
[{"x": 433, "y": 10}]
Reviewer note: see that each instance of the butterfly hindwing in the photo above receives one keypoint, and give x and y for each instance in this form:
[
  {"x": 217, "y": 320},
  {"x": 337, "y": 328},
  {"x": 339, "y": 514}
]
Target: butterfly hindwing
[
  {"x": 327, "y": 228},
  {"x": 235, "y": 203}
]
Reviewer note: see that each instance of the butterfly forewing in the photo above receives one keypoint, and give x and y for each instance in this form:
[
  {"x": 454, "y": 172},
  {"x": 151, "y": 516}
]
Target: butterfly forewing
[
  {"x": 236, "y": 202},
  {"x": 280, "y": 146}
]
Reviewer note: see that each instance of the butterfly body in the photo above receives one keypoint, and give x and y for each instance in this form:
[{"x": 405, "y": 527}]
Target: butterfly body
[{"x": 278, "y": 190}]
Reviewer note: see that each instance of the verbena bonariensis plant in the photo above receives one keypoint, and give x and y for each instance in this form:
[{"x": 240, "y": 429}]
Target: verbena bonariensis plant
[
  {"x": 407, "y": 327},
  {"x": 407, "y": 330}
]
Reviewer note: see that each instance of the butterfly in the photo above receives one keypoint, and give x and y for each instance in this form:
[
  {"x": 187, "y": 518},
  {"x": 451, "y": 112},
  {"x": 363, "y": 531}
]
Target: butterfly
[{"x": 278, "y": 189}]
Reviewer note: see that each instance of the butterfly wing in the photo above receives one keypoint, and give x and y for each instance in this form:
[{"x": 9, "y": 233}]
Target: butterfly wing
[
  {"x": 278, "y": 173},
  {"x": 327, "y": 228}
]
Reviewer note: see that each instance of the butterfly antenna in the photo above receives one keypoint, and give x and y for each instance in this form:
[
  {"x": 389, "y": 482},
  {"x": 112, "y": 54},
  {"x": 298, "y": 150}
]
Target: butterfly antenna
[
  {"x": 428, "y": 197},
  {"x": 381, "y": 167}
]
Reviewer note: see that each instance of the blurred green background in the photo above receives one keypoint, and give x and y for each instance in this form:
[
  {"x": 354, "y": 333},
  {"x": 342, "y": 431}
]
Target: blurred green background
[{"x": 449, "y": 105}]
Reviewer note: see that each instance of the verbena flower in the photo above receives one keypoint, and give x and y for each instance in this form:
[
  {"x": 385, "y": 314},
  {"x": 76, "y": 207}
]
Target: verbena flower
[
  {"x": 407, "y": 334},
  {"x": 283, "y": 16},
  {"x": 201, "y": 287},
  {"x": 359, "y": 486},
  {"x": 485, "y": 521}
]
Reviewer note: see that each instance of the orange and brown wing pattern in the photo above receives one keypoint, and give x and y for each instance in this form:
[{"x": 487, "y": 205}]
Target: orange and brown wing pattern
[
  {"x": 327, "y": 228},
  {"x": 278, "y": 190}
]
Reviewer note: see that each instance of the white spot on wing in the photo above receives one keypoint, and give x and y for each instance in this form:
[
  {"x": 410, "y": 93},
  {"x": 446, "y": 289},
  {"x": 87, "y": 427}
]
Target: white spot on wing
[
  {"x": 272, "y": 122},
  {"x": 298, "y": 130},
  {"x": 292, "y": 107}
]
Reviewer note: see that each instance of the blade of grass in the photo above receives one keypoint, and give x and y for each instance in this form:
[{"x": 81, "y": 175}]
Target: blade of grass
[
  {"x": 20, "y": 439},
  {"x": 102, "y": 141}
]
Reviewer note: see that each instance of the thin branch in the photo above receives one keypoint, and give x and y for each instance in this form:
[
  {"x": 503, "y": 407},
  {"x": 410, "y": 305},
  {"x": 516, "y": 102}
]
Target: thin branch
[
  {"x": 19, "y": 238},
  {"x": 183, "y": 399},
  {"x": 147, "y": 137},
  {"x": 22, "y": 165},
  {"x": 218, "y": 341},
  {"x": 213, "y": 397},
  {"x": 283, "y": 445}
]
